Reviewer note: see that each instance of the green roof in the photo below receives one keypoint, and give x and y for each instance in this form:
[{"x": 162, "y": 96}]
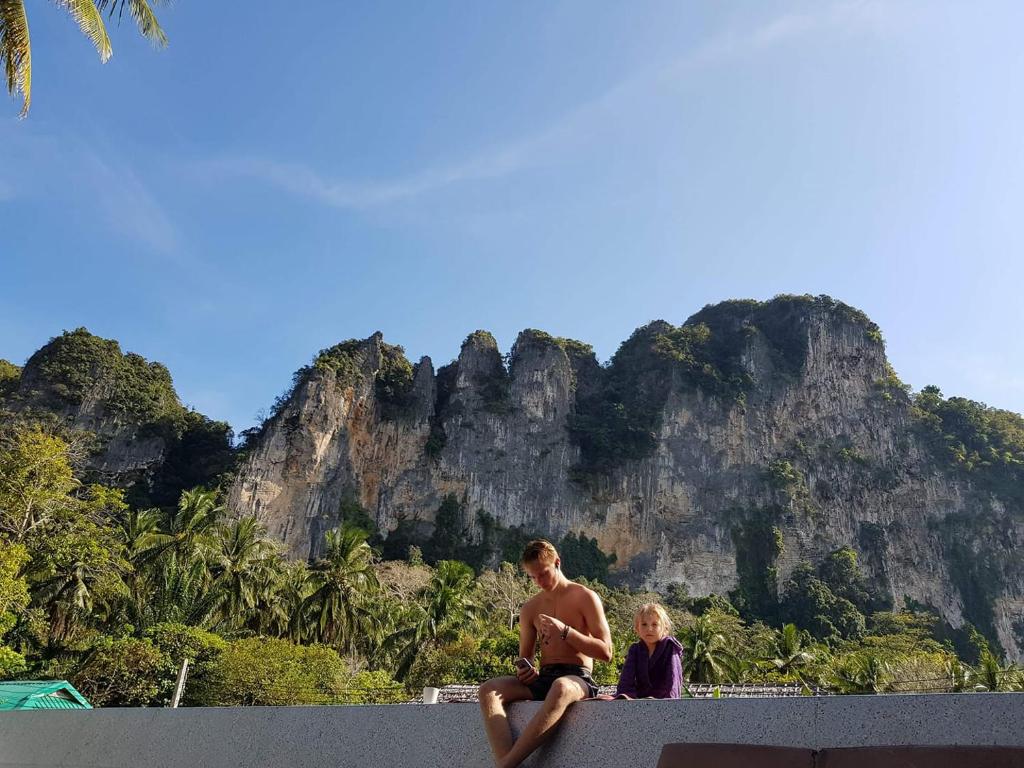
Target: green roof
[{"x": 40, "y": 694}]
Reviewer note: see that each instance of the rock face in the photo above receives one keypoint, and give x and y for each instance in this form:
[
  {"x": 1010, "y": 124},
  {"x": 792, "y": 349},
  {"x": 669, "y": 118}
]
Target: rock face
[
  {"x": 784, "y": 413},
  {"x": 122, "y": 413},
  {"x": 78, "y": 383}
]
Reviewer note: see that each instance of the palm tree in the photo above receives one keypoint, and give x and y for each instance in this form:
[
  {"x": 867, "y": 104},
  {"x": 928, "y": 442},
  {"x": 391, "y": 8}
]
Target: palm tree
[
  {"x": 282, "y": 605},
  {"x": 345, "y": 577},
  {"x": 237, "y": 563},
  {"x": 187, "y": 530},
  {"x": 80, "y": 588},
  {"x": 138, "y": 534},
  {"x": 16, "y": 48},
  {"x": 382, "y": 638},
  {"x": 444, "y": 609},
  {"x": 859, "y": 673},
  {"x": 791, "y": 650},
  {"x": 707, "y": 657},
  {"x": 992, "y": 676},
  {"x": 181, "y": 593}
]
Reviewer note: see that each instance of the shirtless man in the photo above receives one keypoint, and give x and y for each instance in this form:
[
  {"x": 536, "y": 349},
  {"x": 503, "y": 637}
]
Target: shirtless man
[{"x": 569, "y": 620}]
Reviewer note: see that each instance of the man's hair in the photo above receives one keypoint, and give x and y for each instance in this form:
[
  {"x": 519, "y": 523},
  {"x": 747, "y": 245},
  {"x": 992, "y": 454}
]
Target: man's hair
[
  {"x": 653, "y": 609},
  {"x": 539, "y": 549}
]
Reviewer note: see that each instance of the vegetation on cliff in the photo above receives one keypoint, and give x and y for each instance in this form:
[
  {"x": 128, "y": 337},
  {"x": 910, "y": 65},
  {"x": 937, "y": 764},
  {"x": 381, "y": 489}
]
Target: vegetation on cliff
[
  {"x": 620, "y": 419},
  {"x": 983, "y": 444},
  {"x": 10, "y": 376},
  {"x": 78, "y": 366}
]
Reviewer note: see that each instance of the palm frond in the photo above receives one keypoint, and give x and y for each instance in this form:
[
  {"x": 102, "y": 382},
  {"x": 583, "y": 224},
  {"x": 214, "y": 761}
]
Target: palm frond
[
  {"x": 16, "y": 50},
  {"x": 143, "y": 15},
  {"x": 88, "y": 17}
]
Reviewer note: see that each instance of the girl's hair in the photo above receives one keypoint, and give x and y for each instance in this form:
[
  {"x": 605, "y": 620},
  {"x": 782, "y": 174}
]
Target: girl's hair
[{"x": 653, "y": 609}]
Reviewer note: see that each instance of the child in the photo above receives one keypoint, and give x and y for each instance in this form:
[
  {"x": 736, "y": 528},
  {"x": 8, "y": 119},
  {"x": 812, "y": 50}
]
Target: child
[{"x": 653, "y": 667}]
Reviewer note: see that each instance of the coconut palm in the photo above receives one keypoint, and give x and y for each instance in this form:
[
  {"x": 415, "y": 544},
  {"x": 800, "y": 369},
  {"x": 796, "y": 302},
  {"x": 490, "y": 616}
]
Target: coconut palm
[
  {"x": 791, "y": 652},
  {"x": 80, "y": 589},
  {"x": 345, "y": 577},
  {"x": 444, "y": 609},
  {"x": 238, "y": 562},
  {"x": 990, "y": 675},
  {"x": 707, "y": 655},
  {"x": 282, "y": 606},
  {"x": 859, "y": 673},
  {"x": 16, "y": 48},
  {"x": 187, "y": 532},
  {"x": 180, "y": 593},
  {"x": 137, "y": 532},
  {"x": 382, "y": 637}
]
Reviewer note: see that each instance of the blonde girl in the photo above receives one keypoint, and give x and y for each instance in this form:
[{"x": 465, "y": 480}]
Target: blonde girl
[{"x": 654, "y": 666}]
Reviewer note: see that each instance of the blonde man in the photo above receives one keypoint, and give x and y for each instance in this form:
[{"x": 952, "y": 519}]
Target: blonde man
[{"x": 568, "y": 619}]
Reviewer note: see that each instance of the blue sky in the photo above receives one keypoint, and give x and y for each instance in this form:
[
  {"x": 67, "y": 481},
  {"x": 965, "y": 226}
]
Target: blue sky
[{"x": 271, "y": 184}]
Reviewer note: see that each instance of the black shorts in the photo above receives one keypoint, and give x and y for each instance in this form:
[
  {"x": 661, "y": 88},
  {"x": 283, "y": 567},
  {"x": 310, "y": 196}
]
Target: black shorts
[{"x": 551, "y": 672}]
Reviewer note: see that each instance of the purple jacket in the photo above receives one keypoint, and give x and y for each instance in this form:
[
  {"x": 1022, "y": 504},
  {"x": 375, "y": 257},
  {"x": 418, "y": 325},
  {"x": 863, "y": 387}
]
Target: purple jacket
[{"x": 659, "y": 675}]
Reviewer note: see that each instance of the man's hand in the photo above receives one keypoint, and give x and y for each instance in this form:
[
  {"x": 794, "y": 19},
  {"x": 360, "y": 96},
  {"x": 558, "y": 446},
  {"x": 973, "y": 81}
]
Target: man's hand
[
  {"x": 549, "y": 627},
  {"x": 526, "y": 672}
]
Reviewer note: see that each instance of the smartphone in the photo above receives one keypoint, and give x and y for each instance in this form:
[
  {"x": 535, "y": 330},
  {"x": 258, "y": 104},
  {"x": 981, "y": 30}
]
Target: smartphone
[{"x": 523, "y": 664}]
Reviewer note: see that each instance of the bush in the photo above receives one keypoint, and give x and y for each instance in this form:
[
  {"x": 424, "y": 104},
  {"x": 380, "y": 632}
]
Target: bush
[
  {"x": 121, "y": 673},
  {"x": 202, "y": 649},
  {"x": 374, "y": 688},
  {"x": 269, "y": 672},
  {"x": 12, "y": 663},
  {"x": 467, "y": 660}
]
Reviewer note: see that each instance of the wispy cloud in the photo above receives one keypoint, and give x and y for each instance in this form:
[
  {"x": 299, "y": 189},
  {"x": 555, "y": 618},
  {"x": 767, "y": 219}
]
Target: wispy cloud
[
  {"x": 129, "y": 207},
  {"x": 66, "y": 170},
  {"x": 561, "y": 135}
]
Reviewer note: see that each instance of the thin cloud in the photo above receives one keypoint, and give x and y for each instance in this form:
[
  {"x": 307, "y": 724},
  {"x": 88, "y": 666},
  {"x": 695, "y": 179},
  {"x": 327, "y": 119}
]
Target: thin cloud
[
  {"x": 128, "y": 206},
  {"x": 557, "y": 138},
  {"x": 66, "y": 168}
]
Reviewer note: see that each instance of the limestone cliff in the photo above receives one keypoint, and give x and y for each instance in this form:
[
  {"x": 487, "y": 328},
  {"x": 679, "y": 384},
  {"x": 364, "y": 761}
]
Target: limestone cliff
[
  {"x": 122, "y": 413},
  {"x": 676, "y": 456}
]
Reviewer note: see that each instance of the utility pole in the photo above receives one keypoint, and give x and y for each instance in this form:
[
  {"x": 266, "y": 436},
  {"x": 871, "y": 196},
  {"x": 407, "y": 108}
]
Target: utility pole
[{"x": 181, "y": 684}]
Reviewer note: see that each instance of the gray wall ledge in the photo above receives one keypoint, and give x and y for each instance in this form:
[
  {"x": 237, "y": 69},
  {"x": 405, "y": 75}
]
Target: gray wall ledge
[{"x": 415, "y": 735}]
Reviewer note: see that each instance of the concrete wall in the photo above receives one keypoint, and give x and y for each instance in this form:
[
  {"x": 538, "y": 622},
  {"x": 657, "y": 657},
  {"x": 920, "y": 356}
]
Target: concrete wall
[{"x": 414, "y": 735}]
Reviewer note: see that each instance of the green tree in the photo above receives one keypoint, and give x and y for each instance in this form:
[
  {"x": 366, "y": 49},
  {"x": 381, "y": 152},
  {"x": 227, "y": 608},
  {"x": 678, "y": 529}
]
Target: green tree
[
  {"x": 708, "y": 656},
  {"x": 241, "y": 557},
  {"x": 990, "y": 675},
  {"x": 466, "y": 660},
  {"x": 36, "y": 482},
  {"x": 121, "y": 672},
  {"x": 345, "y": 578},
  {"x": 583, "y": 557},
  {"x": 187, "y": 532},
  {"x": 808, "y": 602},
  {"x": 859, "y": 672},
  {"x": 282, "y": 606},
  {"x": 263, "y": 671},
  {"x": 450, "y": 534},
  {"x": 445, "y": 607},
  {"x": 13, "y": 587},
  {"x": 792, "y": 653},
  {"x": 16, "y": 48},
  {"x": 177, "y": 642},
  {"x": 14, "y": 598},
  {"x": 10, "y": 376}
]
